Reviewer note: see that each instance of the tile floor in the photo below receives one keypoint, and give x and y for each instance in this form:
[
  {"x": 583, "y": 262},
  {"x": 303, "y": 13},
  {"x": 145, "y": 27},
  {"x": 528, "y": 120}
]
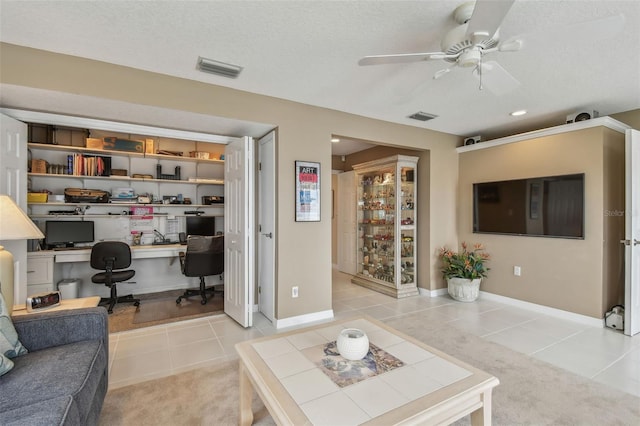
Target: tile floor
[{"x": 601, "y": 354}]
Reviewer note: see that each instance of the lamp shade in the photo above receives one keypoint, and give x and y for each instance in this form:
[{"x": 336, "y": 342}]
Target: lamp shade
[{"x": 14, "y": 223}]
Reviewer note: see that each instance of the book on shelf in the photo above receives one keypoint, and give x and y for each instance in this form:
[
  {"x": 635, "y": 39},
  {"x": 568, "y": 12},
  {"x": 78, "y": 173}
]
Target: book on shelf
[{"x": 88, "y": 165}]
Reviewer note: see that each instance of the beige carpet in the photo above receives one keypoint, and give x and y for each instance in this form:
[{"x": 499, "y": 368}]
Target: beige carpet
[
  {"x": 161, "y": 308},
  {"x": 530, "y": 392}
]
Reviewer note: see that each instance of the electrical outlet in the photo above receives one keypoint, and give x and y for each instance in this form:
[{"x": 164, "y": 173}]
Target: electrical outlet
[
  {"x": 517, "y": 271},
  {"x": 294, "y": 292}
]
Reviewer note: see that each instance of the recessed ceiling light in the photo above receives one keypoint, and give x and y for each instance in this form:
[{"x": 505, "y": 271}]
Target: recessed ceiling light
[
  {"x": 335, "y": 140},
  {"x": 519, "y": 112}
]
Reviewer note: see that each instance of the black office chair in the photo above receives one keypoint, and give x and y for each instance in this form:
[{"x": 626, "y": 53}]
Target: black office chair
[
  {"x": 204, "y": 257},
  {"x": 113, "y": 257}
]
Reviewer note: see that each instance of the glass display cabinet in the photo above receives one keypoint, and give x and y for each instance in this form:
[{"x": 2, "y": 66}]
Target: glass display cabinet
[{"x": 386, "y": 221}]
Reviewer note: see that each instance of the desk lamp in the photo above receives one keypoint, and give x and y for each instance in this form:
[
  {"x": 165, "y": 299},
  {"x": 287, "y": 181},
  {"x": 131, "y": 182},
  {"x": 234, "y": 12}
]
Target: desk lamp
[{"x": 14, "y": 225}]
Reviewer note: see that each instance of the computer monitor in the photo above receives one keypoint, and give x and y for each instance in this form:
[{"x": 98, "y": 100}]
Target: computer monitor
[
  {"x": 66, "y": 233},
  {"x": 201, "y": 225}
]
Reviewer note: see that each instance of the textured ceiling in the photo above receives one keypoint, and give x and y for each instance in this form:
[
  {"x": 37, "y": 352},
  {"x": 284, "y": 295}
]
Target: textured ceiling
[{"x": 308, "y": 51}]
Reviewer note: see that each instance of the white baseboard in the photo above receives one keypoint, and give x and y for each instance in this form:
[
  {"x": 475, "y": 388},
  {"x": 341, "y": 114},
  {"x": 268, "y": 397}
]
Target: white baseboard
[
  {"x": 546, "y": 310},
  {"x": 432, "y": 293},
  {"x": 304, "y": 319}
]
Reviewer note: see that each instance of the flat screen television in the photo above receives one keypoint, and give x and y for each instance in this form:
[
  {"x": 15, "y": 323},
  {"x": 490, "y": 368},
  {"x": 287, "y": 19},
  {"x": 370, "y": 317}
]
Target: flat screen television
[
  {"x": 549, "y": 206},
  {"x": 201, "y": 225},
  {"x": 67, "y": 233}
]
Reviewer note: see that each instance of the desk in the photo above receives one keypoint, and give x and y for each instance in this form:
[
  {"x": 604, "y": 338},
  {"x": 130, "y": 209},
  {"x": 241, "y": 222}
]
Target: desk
[
  {"x": 156, "y": 269},
  {"x": 137, "y": 252},
  {"x": 85, "y": 302},
  {"x": 301, "y": 383}
]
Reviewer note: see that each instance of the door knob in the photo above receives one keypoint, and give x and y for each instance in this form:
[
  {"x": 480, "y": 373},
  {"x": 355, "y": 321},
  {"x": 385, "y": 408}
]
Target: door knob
[
  {"x": 628, "y": 242},
  {"x": 269, "y": 235}
]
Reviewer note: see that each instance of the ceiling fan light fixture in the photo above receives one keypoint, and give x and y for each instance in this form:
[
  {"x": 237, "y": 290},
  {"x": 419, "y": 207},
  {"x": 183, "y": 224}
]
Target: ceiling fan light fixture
[
  {"x": 218, "y": 68},
  {"x": 470, "y": 58},
  {"x": 518, "y": 113}
]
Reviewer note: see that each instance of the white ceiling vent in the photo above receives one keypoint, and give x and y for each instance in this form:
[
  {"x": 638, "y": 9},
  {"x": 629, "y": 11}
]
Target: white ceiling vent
[
  {"x": 422, "y": 116},
  {"x": 218, "y": 68}
]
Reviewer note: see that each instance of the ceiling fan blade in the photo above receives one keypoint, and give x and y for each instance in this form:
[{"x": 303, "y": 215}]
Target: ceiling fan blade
[
  {"x": 496, "y": 79},
  {"x": 402, "y": 58},
  {"x": 487, "y": 16},
  {"x": 511, "y": 45},
  {"x": 441, "y": 72}
]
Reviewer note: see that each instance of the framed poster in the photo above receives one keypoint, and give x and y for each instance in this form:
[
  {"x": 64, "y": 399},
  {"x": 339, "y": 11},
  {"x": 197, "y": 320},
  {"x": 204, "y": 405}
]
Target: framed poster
[{"x": 307, "y": 191}]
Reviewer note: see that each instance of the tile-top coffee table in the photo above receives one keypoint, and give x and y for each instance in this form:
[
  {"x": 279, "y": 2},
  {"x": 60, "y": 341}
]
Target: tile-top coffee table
[{"x": 301, "y": 379}]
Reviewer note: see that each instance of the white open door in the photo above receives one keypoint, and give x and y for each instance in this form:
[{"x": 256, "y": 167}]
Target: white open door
[
  {"x": 632, "y": 235},
  {"x": 239, "y": 231},
  {"x": 13, "y": 182},
  {"x": 267, "y": 226},
  {"x": 347, "y": 222}
]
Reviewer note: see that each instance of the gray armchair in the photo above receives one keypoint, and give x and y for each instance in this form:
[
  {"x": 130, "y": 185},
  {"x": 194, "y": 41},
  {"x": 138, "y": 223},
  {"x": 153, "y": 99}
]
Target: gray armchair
[{"x": 63, "y": 379}]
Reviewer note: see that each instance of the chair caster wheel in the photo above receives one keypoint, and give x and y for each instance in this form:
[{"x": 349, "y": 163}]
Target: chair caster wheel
[
  {"x": 178, "y": 300},
  {"x": 203, "y": 302},
  {"x": 136, "y": 304}
]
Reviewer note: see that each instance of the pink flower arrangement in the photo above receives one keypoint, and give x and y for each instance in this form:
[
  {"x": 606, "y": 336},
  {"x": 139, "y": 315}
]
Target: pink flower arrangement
[{"x": 468, "y": 264}]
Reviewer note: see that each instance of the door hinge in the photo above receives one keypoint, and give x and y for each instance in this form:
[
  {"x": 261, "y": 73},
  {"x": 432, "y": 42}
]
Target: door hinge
[
  {"x": 259, "y": 228},
  {"x": 259, "y": 166},
  {"x": 259, "y": 290}
]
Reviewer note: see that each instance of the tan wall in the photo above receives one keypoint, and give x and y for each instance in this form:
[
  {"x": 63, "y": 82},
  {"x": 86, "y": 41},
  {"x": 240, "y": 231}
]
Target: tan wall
[
  {"x": 630, "y": 118},
  {"x": 613, "y": 219},
  {"x": 337, "y": 163},
  {"x": 303, "y": 249},
  {"x": 567, "y": 274}
]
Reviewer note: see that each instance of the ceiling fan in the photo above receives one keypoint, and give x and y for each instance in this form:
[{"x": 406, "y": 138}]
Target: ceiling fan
[{"x": 477, "y": 34}]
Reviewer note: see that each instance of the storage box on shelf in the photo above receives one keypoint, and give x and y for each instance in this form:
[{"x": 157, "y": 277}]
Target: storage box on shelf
[
  {"x": 115, "y": 144},
  {"x": 386, "y": 221},
  {"x": 37, "y": 197},
  {"x": 54, "y": 134}
]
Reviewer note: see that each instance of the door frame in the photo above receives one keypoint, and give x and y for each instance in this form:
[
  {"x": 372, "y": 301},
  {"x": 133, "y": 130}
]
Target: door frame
[
  {"x": 632, "y": 233},
  {"x": 347, "y": 227},
  {"x": 267, "y": 232}
]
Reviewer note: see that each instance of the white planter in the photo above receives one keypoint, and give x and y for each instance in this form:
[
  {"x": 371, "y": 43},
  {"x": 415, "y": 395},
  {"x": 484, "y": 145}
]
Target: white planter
[
  {"x": 463, "y": 289},
  {"x": 353, "y": 344}
]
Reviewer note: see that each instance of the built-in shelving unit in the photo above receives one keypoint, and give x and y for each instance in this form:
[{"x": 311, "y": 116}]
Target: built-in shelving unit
[
  {"x": 175, "y": 184},
  {"x": 204, "y": 177}
]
